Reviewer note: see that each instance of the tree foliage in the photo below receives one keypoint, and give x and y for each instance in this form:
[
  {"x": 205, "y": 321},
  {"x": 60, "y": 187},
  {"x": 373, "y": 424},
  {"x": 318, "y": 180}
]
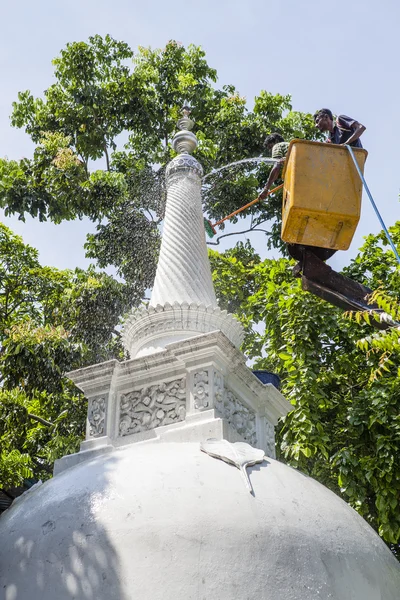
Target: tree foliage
[
  {"x": 121, "y": 108},
  {"x": 51, "y": 322},
  {"x": 341, "y": 376}
]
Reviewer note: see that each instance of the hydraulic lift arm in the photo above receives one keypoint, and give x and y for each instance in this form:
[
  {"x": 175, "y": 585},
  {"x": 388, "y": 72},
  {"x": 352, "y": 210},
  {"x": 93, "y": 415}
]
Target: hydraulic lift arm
[{"x": 322, "y": 281}]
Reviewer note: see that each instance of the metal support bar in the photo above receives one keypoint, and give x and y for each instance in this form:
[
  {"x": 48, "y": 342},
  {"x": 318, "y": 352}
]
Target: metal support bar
[
  {"x": 322, "y": 281},
  {"x": 374, "y": 205}
]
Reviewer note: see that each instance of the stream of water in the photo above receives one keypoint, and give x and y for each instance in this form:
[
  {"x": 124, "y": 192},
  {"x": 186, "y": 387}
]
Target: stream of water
[{"x": 257, "y": 159}]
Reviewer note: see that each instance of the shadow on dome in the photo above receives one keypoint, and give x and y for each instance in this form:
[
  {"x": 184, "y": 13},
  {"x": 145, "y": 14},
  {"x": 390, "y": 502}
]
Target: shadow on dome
[{"x": 54, "y": 545}]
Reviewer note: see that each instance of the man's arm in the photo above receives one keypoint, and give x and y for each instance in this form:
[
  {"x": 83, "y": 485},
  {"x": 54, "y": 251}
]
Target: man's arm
[
  {"x": 358, "y": 131},
  {"x": 273, "y": 176},
  {"x": 349, "y": 123}
]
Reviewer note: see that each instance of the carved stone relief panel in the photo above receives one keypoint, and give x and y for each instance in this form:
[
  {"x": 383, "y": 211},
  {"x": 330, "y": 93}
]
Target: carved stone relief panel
[
  {"x": 238, "y": 415},
  {"x": 96, "y": 416},
  {"x": 154, "y": 406},
  {"x": 218, "y": 387},
  {"x": 270, "y": 441},
  {"x": 201, "y": 389}
]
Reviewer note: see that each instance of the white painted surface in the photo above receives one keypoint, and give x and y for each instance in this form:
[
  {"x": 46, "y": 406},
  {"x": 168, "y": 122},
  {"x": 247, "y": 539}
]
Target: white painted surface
[
  {"x": 150, "y": 330},
  {"x": 183, "y": 302},
  {"x": 183, "y": 270},
  {"x": 160, "y": 521},
  {"x": 178, "y": 394}
]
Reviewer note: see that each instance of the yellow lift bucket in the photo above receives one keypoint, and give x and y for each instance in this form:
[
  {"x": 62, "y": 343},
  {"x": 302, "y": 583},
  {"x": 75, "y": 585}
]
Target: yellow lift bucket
[{"x": 321, "y": 194}]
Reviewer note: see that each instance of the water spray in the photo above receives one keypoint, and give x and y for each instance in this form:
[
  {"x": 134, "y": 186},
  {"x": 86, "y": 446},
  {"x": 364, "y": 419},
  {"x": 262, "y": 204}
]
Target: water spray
[{"x": 257, "y": 159}]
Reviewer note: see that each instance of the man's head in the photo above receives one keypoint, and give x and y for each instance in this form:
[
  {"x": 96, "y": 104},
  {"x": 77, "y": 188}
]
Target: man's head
[
  {"x": 272, "y": 139},
  {"x": 323, "y": 119}
]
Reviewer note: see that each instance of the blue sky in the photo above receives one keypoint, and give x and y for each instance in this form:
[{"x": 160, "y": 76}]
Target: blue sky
[{"x": 342, "y": 55}]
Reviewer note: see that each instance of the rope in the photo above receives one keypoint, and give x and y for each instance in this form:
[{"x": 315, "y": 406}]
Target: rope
[{"x": 374, "y": 205}]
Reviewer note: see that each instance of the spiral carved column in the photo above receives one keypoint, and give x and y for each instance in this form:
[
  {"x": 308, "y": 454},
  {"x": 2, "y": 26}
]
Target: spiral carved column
[
  {"x": 183, "y": 271},
  {"x": 183, "y": 302}
]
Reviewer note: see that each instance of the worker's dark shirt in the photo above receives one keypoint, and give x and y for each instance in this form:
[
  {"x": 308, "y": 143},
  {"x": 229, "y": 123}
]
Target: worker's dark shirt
[{"x": 342, "y": 130}]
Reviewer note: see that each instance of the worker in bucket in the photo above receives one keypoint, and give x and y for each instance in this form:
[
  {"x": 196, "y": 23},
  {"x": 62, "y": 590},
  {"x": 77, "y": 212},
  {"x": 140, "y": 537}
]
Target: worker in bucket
[
  {"x": 279, "y": 149},
  {"x": 344, "y": 130}
]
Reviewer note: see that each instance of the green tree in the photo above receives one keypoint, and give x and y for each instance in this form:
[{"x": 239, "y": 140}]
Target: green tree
[
  {"x": 120, "y": 107},
  {"x": 340, "y": 375},
  {"x": 51, "y": 322}
]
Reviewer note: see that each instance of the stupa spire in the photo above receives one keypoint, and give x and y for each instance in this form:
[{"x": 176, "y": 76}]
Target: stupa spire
[
  {"x": 183, "y": 302},
  {"x": 183, "y": 271}
]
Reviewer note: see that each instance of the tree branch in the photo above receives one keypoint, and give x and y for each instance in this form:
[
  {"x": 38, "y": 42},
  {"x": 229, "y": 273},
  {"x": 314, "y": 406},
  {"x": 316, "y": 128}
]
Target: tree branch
[
  {"x": 84, "y": 161},
  {"x": 107, "y": 157},
  {"x": 40, "y": 420},
  {"x": 235, "y": 233}
]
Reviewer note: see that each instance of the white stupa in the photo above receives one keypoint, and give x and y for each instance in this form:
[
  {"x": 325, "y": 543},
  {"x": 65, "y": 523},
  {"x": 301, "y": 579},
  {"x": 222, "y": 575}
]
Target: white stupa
[{"x": 146, "y": 510}]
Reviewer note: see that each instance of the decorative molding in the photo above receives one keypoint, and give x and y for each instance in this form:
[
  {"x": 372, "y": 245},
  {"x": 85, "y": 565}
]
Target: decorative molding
[
  {"x": 95, "y": 381},
  {"x": 201, "y": 390},
  {"x": 183, "y": 164},
  {"x": 96, "y": 416},
  {"x": 185, "y": 141},
  {"x": 241, "y": 418},
  {"x": 145, "y": 325},
  {"x": 151, "y": 407}
]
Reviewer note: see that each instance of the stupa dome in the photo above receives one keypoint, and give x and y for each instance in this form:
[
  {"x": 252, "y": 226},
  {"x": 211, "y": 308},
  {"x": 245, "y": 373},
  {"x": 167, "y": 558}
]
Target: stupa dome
[{"x": 165, "y": 521}]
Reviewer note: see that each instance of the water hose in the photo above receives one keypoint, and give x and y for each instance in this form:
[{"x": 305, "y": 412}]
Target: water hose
[
  {"x": 210, "y": 227},
  {"x": 374, "y": 205}
]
